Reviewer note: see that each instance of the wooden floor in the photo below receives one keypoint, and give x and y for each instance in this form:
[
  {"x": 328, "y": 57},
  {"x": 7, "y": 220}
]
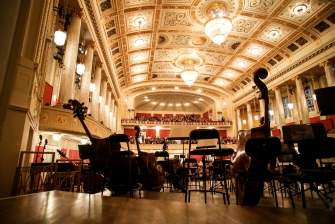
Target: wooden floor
[{"x": 154, "y": 207}]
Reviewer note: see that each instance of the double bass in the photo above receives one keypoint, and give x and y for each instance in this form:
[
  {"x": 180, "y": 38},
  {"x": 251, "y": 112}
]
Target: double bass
[
  {"x": 250, "y": 192},
  {"x": 116, "y": 168}
]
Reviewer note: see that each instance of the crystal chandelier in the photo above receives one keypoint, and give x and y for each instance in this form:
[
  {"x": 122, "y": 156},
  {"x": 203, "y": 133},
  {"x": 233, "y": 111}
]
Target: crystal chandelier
[
  {"x": 219, "y": 24},
  {"x": 189, "y": 75}
]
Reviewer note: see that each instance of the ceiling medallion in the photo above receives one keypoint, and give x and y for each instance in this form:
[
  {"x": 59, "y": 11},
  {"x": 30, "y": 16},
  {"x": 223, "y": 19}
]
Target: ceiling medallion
[
  {"x": 219, "y": 24},
  {"x": 273, "y": 33},
  {"x": 189, "y": 74},
  {"x": 199, "y": 41},
  {"x": 138, "y": 21},
  {"x": 299, "y": 9}
]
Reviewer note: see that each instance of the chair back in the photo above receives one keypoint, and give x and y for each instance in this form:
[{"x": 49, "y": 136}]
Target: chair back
[
  {"x": 86, "y": 152},
  {"x": 263, "y": 148},
  {"x": 198, "y": 134},
  {"x": 318, "y": 148}
]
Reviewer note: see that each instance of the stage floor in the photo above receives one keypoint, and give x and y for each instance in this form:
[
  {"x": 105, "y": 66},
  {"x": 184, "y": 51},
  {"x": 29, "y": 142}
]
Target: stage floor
[{"x": 68, "y": 207}]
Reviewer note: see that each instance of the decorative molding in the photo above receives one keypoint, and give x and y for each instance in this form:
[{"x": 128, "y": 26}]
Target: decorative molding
[{"x": 304, "y": 60}]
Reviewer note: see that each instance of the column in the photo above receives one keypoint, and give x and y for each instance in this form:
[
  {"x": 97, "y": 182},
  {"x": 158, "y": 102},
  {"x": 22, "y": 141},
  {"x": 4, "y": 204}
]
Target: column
[
  {"x": 67, "y": 88},
  {"x": 262, "y": 108},
  {"x": 279, "y": 108},
  {"x": 239, "y": 121},
  {"x": 302, "y": 100},
  {"x": 295, "y": 109},
  {"x": 329, "y": 72},
  {"x": 96, "y": 92},
  {"x": 107, "y": 108},
  {"x": 103, "y": 103},
  {"x": 87, "y": 76},
  {"x": 250, "y": 118},
  {"x": 56, "y": 86},
  {"x": 323, "y": 81},
  {"x": 112, "y": 115}
]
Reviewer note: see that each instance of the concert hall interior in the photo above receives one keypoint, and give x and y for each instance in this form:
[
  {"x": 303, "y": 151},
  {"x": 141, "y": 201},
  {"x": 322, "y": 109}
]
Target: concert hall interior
[{"x": 76, "y": 72}]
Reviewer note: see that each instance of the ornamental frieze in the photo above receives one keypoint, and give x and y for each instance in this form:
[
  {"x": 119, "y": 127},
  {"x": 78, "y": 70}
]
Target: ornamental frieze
[
  {"x": 243, "y": 26},
  {"x": 181, "y": 39},
  {"x": 261, "y": 4},
  {"x": 176, "y": 19}
]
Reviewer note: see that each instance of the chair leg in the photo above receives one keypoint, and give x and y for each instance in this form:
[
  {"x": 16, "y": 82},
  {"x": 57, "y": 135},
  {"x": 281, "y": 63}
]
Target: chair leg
[
  {"x": 275, "y": 192},
  {"x": 303, "y": 195}
]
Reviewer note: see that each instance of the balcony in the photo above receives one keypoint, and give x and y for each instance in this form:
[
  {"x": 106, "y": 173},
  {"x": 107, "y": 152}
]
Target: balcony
[
  {"x": 55, "y": 119},
  {"x": 217, "y": 124}
]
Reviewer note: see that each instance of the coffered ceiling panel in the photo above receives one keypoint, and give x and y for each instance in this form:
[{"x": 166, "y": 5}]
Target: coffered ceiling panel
[{"x": 147, "y": 41}]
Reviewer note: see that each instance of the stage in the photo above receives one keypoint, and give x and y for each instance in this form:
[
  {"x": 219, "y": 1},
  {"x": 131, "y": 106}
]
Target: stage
[{"x": 68, "y": 207}]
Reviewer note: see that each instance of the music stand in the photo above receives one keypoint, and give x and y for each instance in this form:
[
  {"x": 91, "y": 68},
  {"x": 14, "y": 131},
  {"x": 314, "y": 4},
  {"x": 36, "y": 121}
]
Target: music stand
[{"x": 324, "y": 98}]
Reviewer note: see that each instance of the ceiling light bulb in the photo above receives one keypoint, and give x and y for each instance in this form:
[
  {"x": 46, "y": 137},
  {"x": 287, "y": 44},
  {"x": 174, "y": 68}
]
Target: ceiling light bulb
[
  {"x": 244, "y": 121},
  {"x": 256, "y": 117},
  {"x": 230, "y": 74},
  {"x": 139, "y": 42},
  {"x": 57, "y": 136},
  {"x": 290, "y": 106},
  {"x": 139, "y": 21},
  {"x": 255, "y": 50},
  {"x": 176, "y": 88},
  {"x": 271, "y": 112},
  {"x": 241, "y": 63},
  {"x": 199, "y": 90},
  {"x": 153, "y": 88}
]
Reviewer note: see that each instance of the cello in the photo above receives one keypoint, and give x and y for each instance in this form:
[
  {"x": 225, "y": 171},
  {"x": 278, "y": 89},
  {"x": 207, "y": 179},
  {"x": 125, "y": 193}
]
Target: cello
[
  {"x": 250, "y": 192},
  {"x": 153, "y": 175}
]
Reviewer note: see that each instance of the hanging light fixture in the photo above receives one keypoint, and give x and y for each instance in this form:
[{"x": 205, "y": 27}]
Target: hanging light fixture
[
  {"x": 271, "y": 112},
  {"x": 92, "y": 87},
  {"x": 80, "y": 68},
  {"x": 56, "y": 137},
  {"x": 189, "y": 74},
  {"x": 219, "y": 24},
  {"x": 60, "y": 34}
]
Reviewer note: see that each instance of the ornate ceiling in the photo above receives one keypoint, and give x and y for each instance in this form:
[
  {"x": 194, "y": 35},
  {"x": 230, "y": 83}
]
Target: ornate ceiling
[{"x": 144, "y": 42}]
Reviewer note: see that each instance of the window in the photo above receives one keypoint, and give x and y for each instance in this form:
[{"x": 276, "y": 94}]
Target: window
[
  {"x": 287, "y": 110},
  {"x": 309, "y": 98}
]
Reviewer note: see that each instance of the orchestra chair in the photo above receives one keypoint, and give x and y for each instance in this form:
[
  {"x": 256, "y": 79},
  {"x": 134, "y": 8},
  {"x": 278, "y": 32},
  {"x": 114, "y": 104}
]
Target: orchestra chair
[
  {"x": 120, "y": 179},
  {"x": 314, "y": 169},
  {"x": 207, "y": 149},
  {"x": 166, "y": 164},
  {"x": 192, "y": 165},
  {"x": 92, "y": 176},
  {"x": 221, "y": 174},
  {"x": 64, "y": 177},
  {"x": 261, "y": 150}
]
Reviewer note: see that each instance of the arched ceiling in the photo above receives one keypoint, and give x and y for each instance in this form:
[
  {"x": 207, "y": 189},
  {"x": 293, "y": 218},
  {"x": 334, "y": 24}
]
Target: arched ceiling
[
  {"x": 173, "y": 102},
  {"x": 171, "y": 30}
]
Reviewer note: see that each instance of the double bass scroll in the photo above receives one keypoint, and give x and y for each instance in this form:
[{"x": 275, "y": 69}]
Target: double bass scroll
[{"x": 250, "y": 191}]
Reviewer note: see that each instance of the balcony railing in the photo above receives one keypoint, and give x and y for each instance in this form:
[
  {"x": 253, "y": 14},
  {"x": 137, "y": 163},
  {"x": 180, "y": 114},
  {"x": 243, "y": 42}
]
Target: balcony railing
[
  {"x": 57, "y": 119},
  {"x": 125, "y": 121}
]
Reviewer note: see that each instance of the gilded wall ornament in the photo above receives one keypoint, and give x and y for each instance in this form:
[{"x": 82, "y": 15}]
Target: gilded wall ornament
[
  {"x": 176, "y": 19},
  {"x": 45, "y": 118},
  {"x": 243, "y": 25},
  {"x": 61, "y": 120}
]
